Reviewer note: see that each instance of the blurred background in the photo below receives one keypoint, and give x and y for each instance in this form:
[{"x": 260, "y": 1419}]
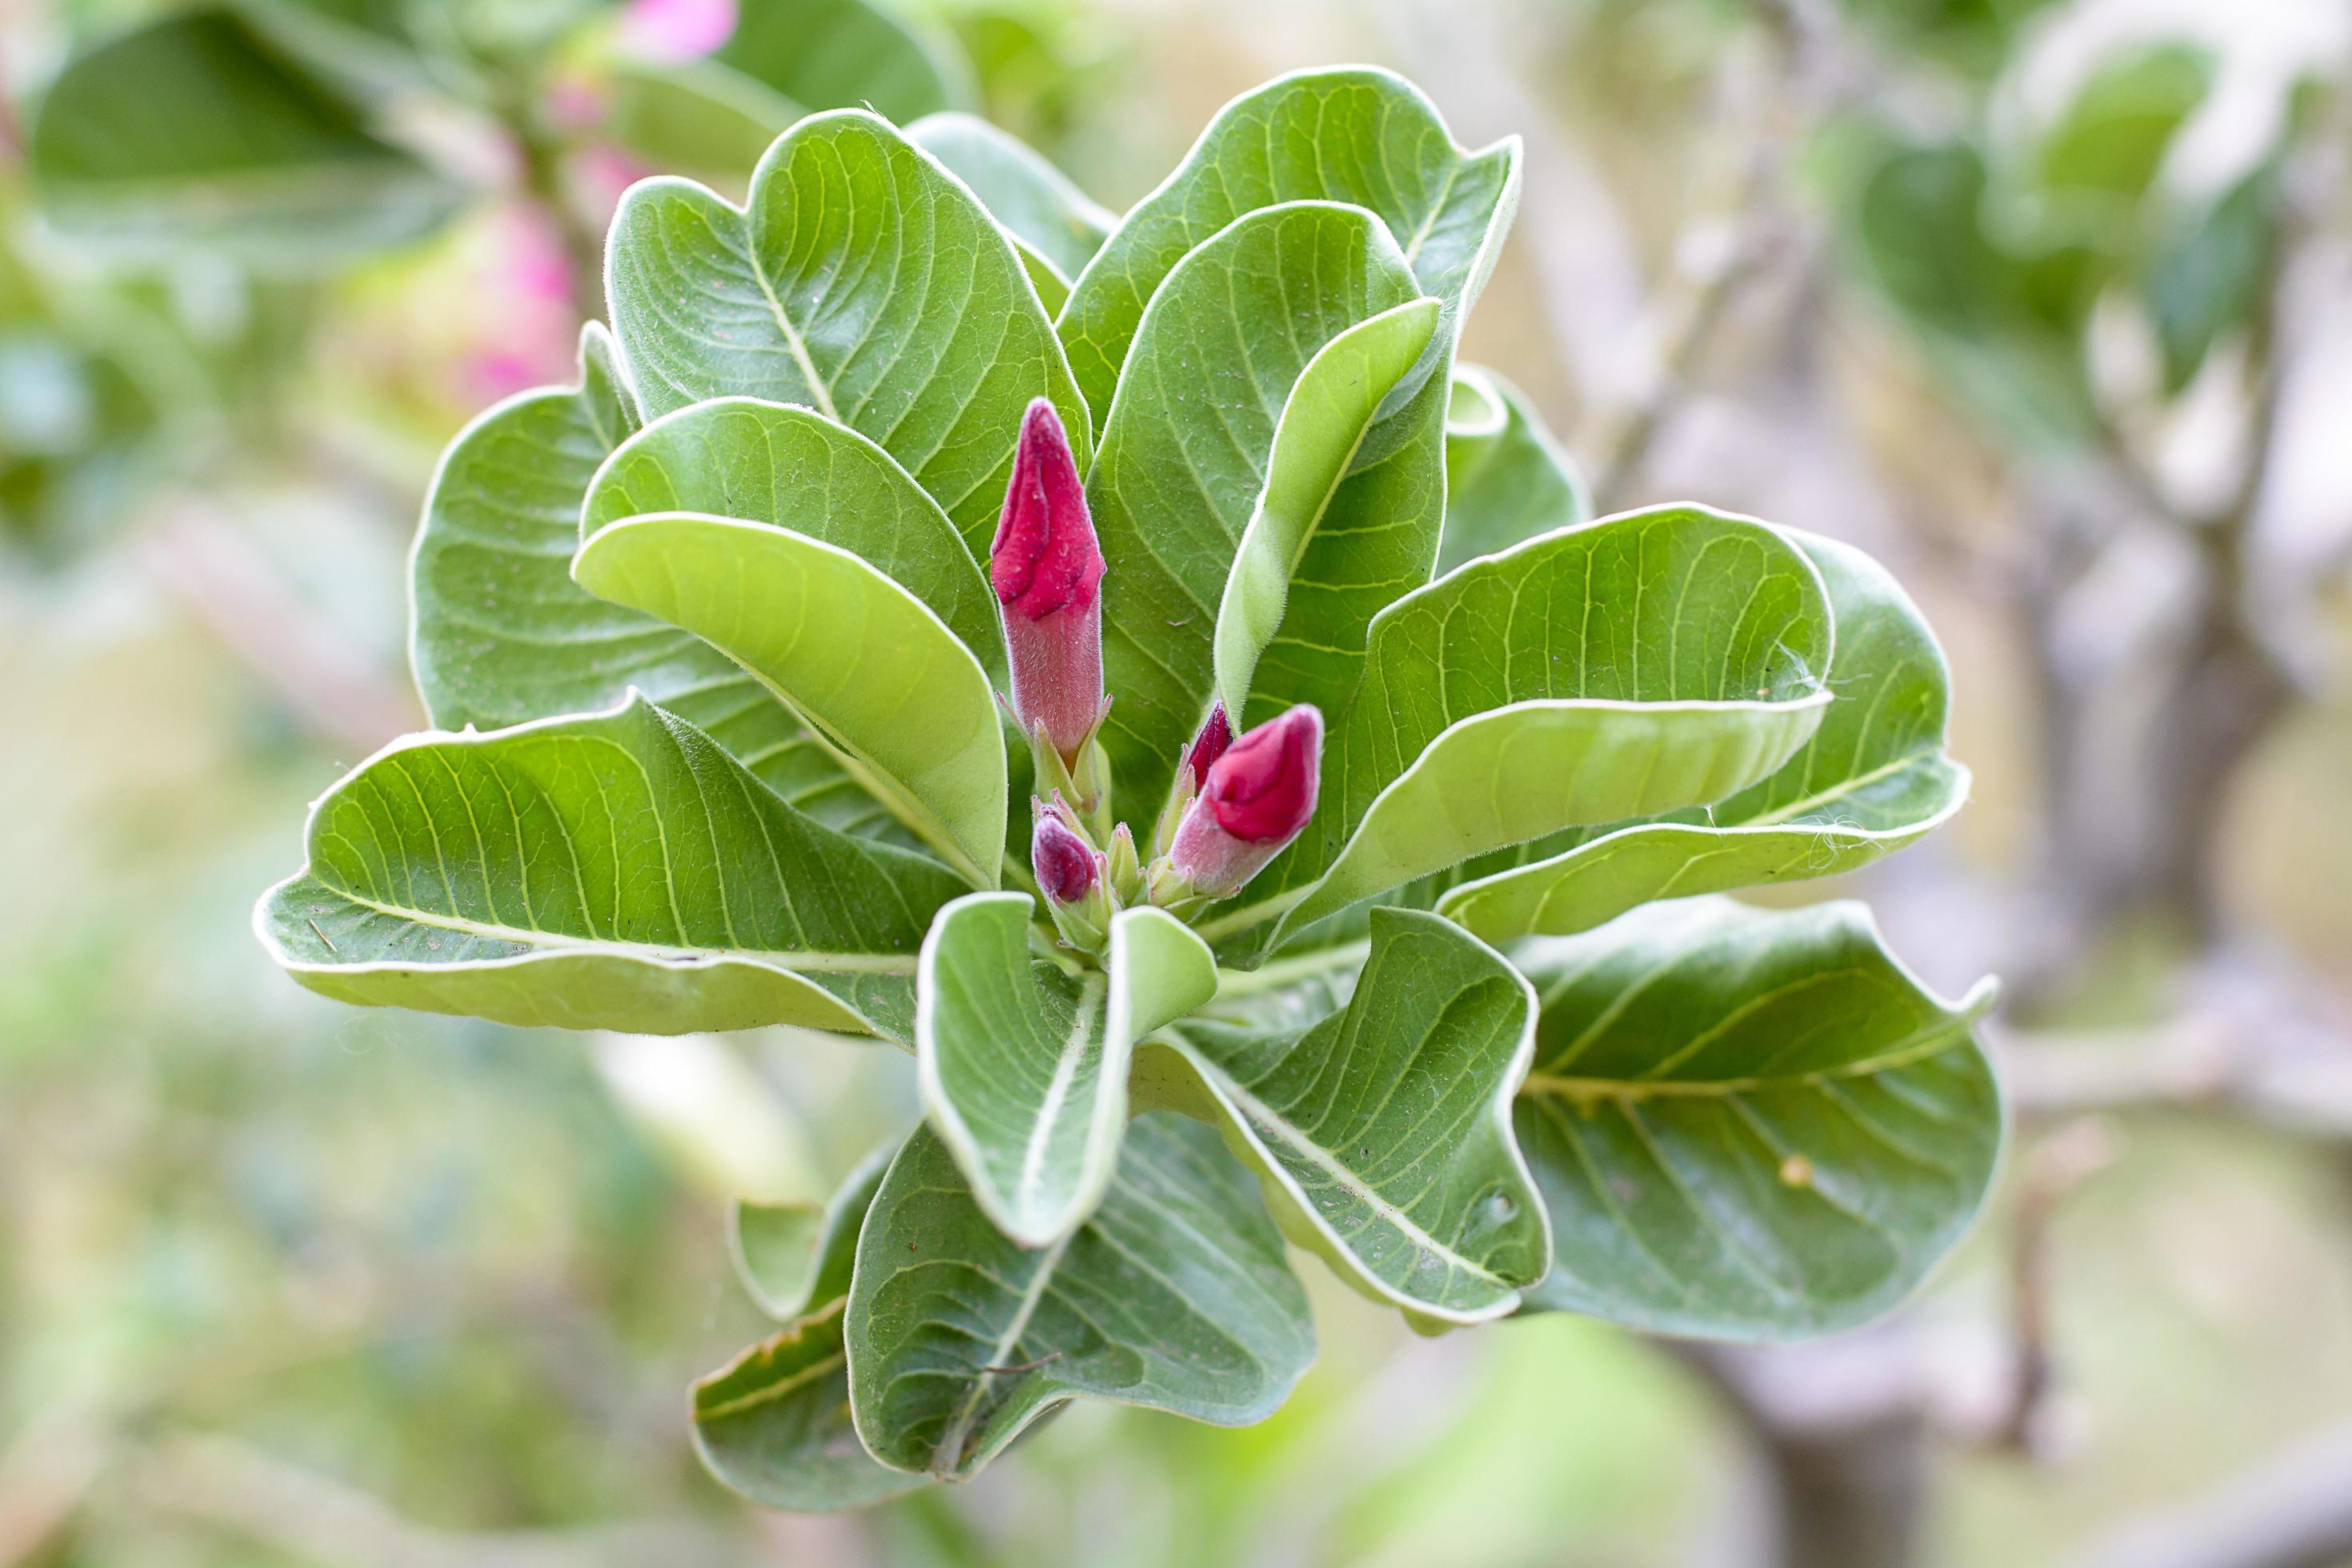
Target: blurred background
[{"x": 2047, "y": 302}]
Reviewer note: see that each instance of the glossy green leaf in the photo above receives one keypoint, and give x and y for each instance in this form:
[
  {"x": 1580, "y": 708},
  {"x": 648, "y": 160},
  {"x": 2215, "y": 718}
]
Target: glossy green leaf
[
  {"x": 1035, "y": 202},
  {"x": 500, "y": 634},
  {"x": 1329, "y": 412},
  {"x": 1174, "y": 1295},
  {"x": 611, "y": 871},
  {"x": 197, "y": 130},
  {"x": 1358, "y": 135},
  {"x": 855, "y": 247},
  {"x": 769, "y": 462},
  {"x": 1382, "y": 1134},
  {"x": 1873, "y": 779},
  {"x": 841, "y": 54},
  {"x": 1024, "y": 1063},
  {"x": 774, "y": 1425},
  {"x": 860, "y": 658},
  {"x": 1647, "y": 662},
  {"x": 1749, "y": 1123},
  {"x": 1507, "y": 480},
  {"x": 1186, "y": 457},
  {"x": 795, "y": 1257}
]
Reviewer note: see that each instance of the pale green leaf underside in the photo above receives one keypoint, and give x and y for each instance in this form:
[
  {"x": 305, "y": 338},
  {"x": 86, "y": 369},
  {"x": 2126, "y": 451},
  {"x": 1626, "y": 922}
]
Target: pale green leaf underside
[
  {"x": 1748, "y": 1123},
  {"x": 501, "y": 635},
  {"x": 774, "y": 1425},
  {"x": 613, "y": 870},
  {"x": 1035, "y": 202},
  {"x": 197, "y": 131},
  {"x": 1634, "y": 666},
  {"x": 1024, "y": 1064},
  {"x": 1382, "y": 1134},
  {"x": 1184, "y": 459},
  {"x": 772, "y": 463},
  {"x": 1873, "y": 779},
  {"x": 856, "y": 248},
  {"x": 1173, "y": 1295},
  {"x": 792, "y": 1257},
  {"x": 1331, "y": 410},
  {"x": 1358, "y": 135},
  {"x": 1507, "y": 480},
  {"x": 695, "y": 116},
  {"x": 858, "y": 656}
]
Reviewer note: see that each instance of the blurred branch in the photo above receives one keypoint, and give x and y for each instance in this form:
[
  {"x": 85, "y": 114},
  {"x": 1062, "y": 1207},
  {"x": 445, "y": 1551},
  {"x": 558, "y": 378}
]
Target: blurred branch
[
  {"x": 2294, "y": 1511},
  {"x": 2056, "y": 1165}
]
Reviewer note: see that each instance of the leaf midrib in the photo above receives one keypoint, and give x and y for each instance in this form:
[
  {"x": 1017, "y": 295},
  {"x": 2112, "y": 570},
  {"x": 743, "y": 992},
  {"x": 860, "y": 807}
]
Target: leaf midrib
[
  {"x": 1922, "y": 1046},
  {"x": 1256, "y": 1111},
  {"x": 846, "y": 963}
]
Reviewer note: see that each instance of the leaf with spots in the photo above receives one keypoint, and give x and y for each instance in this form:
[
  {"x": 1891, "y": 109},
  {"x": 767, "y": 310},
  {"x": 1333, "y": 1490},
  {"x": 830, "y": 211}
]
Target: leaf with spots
[{"x": 1748, "y": 1123}]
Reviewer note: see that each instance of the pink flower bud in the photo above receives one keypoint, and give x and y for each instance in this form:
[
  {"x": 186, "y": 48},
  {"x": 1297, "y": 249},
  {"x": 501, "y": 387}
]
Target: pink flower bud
[
  {"x": 1257, "y": 798},
  {"x": 1216, "y": 734},
  {"x": 1047, "y": 571},
  {"x": 1064, "y": 865}
]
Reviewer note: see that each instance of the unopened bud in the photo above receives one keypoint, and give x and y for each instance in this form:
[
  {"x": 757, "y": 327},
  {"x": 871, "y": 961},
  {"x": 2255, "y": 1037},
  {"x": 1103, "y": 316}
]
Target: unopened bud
[
  {"x": 1047, "y": 569},
  {"x": 1071, "y": 875},
  {"x": 1216, "y": 734},
  {"x": 1254, "y": 800}
]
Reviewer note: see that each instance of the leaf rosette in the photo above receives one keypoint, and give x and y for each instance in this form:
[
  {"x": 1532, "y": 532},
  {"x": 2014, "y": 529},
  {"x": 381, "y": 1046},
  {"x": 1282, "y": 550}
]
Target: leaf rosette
[{"x": 1127, "y": 663}]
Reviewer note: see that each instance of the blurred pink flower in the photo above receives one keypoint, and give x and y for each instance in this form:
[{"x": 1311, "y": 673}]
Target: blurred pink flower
[{"x": 673, "y": 30}]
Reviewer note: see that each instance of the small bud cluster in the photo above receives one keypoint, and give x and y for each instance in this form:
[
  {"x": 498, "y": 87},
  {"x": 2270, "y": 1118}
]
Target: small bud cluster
[{"x": 1236, "y": 802}]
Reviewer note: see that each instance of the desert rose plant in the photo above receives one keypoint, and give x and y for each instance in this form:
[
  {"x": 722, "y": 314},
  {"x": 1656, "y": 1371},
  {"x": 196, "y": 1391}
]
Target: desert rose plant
[{"x": 1129, "y": 664}]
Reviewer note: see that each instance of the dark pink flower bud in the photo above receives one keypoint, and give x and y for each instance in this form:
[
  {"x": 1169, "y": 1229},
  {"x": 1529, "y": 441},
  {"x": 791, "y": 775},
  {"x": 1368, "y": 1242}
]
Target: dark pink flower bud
[
  {"x": 1063, "y": 861},
  {"x": 1047, "y": 571},
  {"x": 1256, "y": 799},
  {"x": 1263, "y": 788},
  {"x": 1215, "y": 735}
]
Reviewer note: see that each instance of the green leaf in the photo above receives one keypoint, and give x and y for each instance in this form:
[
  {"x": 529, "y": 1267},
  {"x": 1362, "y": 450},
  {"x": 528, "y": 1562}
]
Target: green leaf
[
  {"x": 1649, "y": 661},
  {"x": 768, "y": 462},
  {"x": 695, "y": 115},
  {"x": 774, "y": 1425},
  {"x": 500, "y": 634},
  {"x": 855, "y": 247},
  {"x": 1329, "y": 412},
  {"x": 1174, "y": 1296},
  {"x": 1506, "y": 478},
  {"x": 1873, "y": 779},
  {"x": 196, "y": 130},
  {"x": 1749, "y": 1123},
  {"x": 1382, "y": 1134},
  {"x": 1024, "y": 1063},
  {"x": 839, "y": 54},
  {"x": 610, "y": 871},
  {"x": 1187, "y": 454},
  {"x": 2113, "y": 137},
  {"x": 1358, "y": 135},
  {"x": 2208, "y": 280},
  {"x": 1035, "y": 202},
  {"x": 794, "y": 1256},
  {"x": 867, "y": 664}
]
